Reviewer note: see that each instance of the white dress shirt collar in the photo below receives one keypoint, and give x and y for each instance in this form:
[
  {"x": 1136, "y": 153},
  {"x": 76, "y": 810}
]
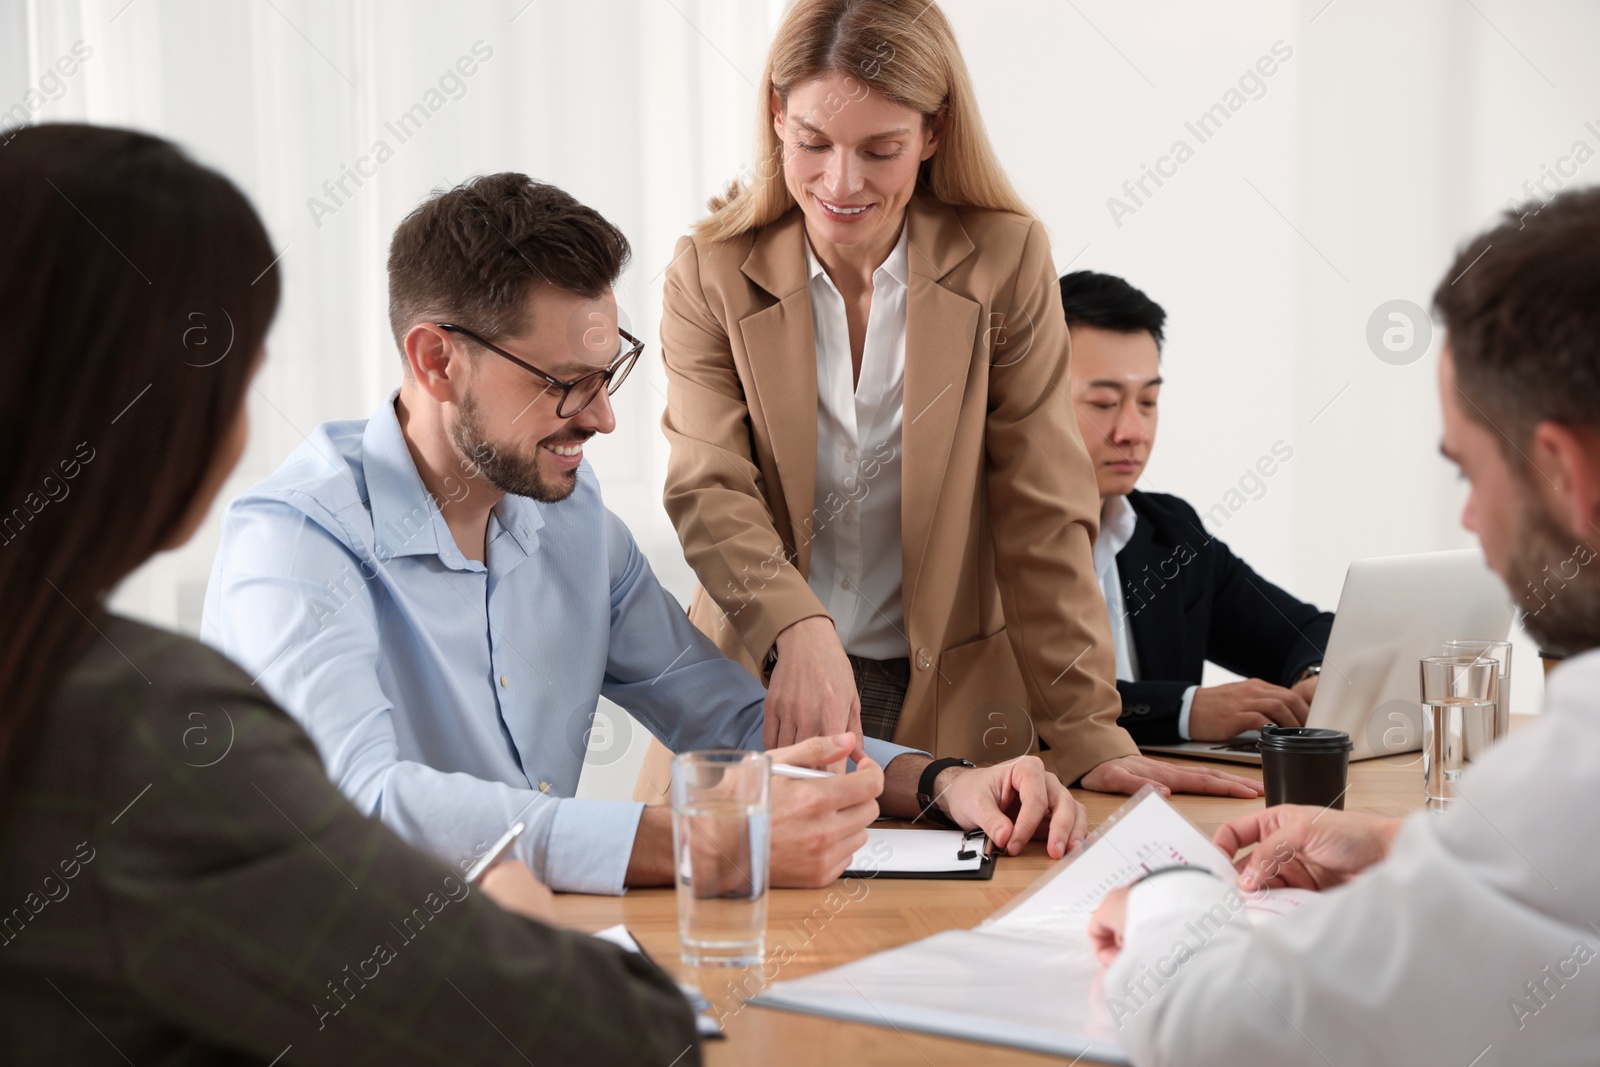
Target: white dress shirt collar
[
  {"x": 406, "y": 517},
  {"x": 895, "y": 267},
  {"x": 1117, "y": 521}
]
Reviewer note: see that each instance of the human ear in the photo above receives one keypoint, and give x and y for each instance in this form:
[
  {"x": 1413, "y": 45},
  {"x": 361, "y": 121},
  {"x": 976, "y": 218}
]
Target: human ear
[
  {"x": 776, "y": 104},
  {"x": 934, "y": 131},
  {"x": 432, "y": 354},
  {"x": 1566, "y": 464}
]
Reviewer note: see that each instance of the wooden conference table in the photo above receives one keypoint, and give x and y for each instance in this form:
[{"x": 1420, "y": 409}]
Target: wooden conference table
[{"x": 896, "y": 911}]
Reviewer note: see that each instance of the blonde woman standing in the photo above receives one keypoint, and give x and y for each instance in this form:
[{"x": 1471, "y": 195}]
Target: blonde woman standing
[{"x": 875, "y": 469}]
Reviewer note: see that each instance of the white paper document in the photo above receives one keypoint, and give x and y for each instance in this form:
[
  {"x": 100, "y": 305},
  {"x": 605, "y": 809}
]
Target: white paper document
[
  {"x": 918, "y": 852},
  {"x": 706, "y": 1022},
  {"x": 1026, "y": 976}
]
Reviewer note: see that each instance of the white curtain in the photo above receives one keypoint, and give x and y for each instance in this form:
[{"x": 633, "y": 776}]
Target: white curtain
[
  {"x": 1340, "y": 182},
  {"x": 338, "y": 118}
]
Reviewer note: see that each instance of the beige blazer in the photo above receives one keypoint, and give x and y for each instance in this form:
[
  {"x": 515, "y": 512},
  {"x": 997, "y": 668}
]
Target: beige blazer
[{"x": 1007, "y": 630}]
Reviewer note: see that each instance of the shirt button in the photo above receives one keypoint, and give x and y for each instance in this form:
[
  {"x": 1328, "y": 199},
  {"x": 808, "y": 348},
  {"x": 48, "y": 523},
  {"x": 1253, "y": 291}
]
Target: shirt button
[
  {"x": 924, "y": 659},
  {"x": 544, "y": 787},
  {"x": 504, "y": 681},
  {"x": 844, "y": 583},
  {"x": 849, "y": 455}
]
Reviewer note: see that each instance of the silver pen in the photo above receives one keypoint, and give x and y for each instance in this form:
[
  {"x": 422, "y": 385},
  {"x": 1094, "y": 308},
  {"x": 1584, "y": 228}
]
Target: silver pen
[
  {"x": 789, "y": 770},
  {"x": 495, "y": 854}
]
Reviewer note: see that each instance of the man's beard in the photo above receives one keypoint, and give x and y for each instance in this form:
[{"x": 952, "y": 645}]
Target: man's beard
[
  {"x": 1553, "y": 575},
  {"x": 503, "y": 468}
]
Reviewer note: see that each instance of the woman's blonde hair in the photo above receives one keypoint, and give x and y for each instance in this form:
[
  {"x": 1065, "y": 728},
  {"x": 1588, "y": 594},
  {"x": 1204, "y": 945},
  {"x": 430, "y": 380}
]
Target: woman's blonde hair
[{"x": 903, "y": 49}]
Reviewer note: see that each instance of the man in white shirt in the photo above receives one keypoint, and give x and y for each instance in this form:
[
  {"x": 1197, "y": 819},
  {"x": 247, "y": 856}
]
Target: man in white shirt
[{"x": 1467, "y": 938}]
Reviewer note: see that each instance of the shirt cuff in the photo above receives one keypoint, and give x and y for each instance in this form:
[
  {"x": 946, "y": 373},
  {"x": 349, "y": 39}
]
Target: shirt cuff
[
  {"x": 1168, "y": 920},
  {"x": 883, "y": 752},
  {"x": 1178, "y": 895},
  {"x": 590, "y": 844},
  {"x": 1186, "y": 706}
]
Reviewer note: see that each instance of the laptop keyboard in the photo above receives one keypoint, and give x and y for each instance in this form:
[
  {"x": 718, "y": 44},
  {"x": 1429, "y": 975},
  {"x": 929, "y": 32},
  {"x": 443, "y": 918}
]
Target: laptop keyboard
[{"x": 1245, "y": 742}]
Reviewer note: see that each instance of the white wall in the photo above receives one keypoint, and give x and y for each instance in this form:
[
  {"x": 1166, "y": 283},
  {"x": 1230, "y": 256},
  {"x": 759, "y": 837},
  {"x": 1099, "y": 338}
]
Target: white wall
[{"x": 1391, "y": 132}]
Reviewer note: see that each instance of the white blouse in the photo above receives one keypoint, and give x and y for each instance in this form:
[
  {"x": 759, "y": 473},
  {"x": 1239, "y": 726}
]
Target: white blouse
[{"x": 855, "y": 520}]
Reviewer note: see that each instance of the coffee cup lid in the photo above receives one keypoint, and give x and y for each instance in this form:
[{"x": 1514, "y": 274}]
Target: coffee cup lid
[{"x": 1276, "y": 738}]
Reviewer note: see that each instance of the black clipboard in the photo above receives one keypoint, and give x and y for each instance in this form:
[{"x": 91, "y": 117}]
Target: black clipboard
[{"x": 972, "y": 839}]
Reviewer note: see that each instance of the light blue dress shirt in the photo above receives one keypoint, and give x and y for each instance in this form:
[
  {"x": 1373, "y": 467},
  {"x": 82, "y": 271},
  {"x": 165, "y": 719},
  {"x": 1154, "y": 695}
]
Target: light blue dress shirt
[{"x": 449, "y": 697}]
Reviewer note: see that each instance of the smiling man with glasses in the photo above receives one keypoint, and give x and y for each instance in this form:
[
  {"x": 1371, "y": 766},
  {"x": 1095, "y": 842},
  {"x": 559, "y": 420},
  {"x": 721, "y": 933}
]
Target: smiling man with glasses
[
  {"x": 440, "y": 596},
  {"x": 580, "y": 392}
]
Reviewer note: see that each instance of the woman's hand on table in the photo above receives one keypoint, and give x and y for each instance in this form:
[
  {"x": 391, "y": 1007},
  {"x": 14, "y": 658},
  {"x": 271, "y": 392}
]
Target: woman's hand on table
[{"x": 1129, "y": 774}]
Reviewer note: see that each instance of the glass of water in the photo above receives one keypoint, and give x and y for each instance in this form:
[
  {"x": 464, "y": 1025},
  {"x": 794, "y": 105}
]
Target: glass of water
[
  {"x": 1459, "y": 696},
  {"x": 721, "y": 850},
  {"x": 1499, "y": 651}
]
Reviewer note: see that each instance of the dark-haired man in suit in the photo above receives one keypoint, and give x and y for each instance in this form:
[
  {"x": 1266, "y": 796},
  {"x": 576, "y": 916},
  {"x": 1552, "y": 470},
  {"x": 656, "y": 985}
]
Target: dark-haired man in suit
[{"x": 1176, "y": 595}]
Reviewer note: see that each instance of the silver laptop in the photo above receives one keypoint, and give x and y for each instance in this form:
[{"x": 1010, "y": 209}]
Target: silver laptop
[{"x": 1393, "y": 611}]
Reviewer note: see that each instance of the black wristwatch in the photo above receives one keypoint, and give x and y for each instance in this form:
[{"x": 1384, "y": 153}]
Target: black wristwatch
[{"x": 927, "y": 803}]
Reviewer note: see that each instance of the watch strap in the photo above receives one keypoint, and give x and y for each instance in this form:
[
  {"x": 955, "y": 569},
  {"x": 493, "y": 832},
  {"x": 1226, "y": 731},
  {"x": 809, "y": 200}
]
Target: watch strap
[{"x": 927, "y": 802}]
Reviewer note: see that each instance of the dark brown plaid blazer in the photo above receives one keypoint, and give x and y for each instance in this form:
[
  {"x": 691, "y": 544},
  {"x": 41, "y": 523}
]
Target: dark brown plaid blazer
[{"x": 180, "y": 884}]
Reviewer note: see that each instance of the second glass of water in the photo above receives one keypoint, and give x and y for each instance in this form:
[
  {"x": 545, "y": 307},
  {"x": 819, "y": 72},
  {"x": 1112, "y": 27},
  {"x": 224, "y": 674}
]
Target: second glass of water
[
  {"x": 1500, "y": 653},
  {"x": 1459, "y": 695},
  {"x": 721, "y": 850}
]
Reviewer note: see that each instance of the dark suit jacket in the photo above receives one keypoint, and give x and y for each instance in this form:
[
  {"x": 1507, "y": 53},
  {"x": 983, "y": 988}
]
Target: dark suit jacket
[
  {"x": 180, "y": 884},
  {"x": 1189, "y": 600}
]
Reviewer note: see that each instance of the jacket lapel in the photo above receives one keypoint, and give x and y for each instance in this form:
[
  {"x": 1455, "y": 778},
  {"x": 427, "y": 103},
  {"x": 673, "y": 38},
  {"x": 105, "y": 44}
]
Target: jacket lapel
[
  {"x": 781, "y": 346},
  {"x": 941, "y": 333}
]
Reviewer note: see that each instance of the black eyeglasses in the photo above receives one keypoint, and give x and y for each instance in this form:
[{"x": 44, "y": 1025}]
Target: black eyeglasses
[{"x": 580, "y": 392}]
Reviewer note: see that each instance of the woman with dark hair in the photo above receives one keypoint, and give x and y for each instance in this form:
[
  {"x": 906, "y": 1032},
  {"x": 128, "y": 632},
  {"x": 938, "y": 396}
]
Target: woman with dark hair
[{"x": 178, "y": 879}]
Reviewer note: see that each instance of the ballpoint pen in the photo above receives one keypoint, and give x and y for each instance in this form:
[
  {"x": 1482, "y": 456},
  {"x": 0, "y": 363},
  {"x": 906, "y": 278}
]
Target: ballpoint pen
[
  {"x": 495, "y": 854},
  {"x": 789, "y": 770}
]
